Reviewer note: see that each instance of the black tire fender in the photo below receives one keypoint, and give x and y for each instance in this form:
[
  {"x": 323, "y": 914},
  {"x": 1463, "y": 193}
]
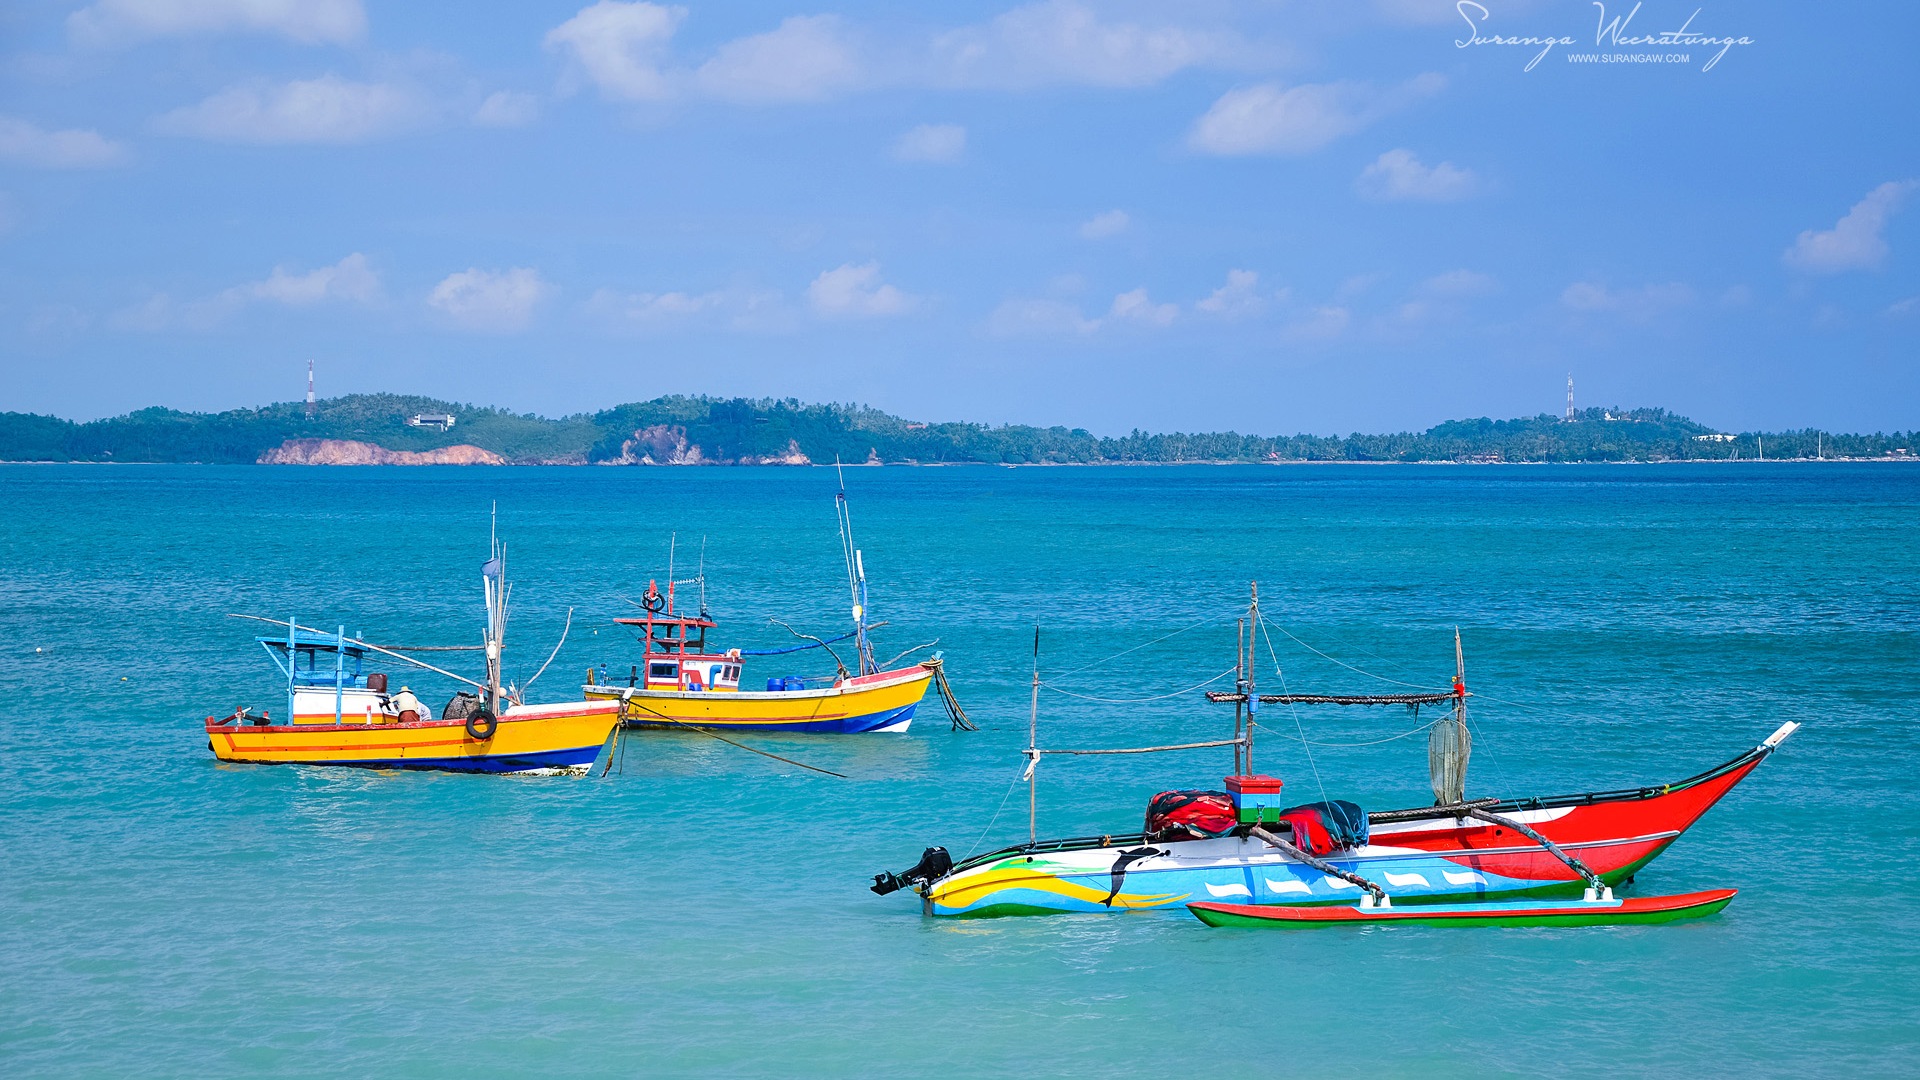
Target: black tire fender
[{"x": 481, "y": 724}]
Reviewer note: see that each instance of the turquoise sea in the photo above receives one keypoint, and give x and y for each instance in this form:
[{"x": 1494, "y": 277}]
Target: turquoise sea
[{"x": 704, "y": 911}]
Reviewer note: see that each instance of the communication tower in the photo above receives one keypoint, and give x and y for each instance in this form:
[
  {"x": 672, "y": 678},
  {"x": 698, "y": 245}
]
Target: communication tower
[
  {"x": 310, "y": 390},
  {"x": 1569, "y": 397}
]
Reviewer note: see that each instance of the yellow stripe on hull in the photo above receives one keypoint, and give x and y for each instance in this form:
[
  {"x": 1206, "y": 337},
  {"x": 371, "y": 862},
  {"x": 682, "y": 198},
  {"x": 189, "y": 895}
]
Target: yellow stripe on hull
[
  {"x": 884, "y": 702},
  {"x": 540, "y": 737}
]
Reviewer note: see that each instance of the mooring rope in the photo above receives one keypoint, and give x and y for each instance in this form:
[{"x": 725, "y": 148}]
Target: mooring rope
[
  {"x": 954, "y": 711},
  {"x": 678, "y": 723}
]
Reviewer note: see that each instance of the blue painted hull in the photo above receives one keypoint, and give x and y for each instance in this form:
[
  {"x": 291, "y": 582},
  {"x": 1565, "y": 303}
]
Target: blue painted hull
[{"x": 578, "y": 757}]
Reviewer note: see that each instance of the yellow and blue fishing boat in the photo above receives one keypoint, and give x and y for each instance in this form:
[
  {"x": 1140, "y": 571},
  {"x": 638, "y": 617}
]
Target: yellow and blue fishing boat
[
  {"x": 339, "y": 713},
  {"x": 681, "y": 682}
]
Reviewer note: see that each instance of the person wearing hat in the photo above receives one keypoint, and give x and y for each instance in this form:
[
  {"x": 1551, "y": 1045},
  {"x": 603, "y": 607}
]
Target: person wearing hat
[{"x": 404, "y": 703}]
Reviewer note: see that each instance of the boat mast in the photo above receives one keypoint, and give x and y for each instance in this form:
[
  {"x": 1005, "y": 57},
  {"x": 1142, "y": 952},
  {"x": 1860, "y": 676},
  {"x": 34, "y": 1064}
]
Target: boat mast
[
  {"x": 1033, "y": 745},
  {"x": 1239, "y": 688},
  {"x": 493, "y": 580},
  {"x": 1253, "y": 699},
  {"x": 856, "y": 576},
  {"x": 293, "y": 663}
]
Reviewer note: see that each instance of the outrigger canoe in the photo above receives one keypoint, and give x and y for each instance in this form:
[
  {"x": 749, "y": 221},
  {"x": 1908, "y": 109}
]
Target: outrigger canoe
[
  {"x": 1639, "y": 909},
  {"x": 1422, "y": 855}
]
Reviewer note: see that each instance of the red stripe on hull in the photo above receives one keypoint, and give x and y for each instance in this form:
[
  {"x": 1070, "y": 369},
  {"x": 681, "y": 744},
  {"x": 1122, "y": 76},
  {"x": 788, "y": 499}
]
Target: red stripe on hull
[{"x": 1654, "y": 820}]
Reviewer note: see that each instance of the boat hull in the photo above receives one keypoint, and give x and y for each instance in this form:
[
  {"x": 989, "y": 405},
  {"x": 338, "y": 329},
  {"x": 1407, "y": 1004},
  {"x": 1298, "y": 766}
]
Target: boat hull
[
  {"x": 529, "y": 739},
  {"x": 1632, "y": 910},
  {"x": 882, "y": 702},
  {"x": 1418, "y": 859}
]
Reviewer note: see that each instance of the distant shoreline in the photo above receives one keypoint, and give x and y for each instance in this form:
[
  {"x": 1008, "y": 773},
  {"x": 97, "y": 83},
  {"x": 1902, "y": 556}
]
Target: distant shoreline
[
  {"x": 1887, "y": 460},
  {"x": 390, "y": 429}
]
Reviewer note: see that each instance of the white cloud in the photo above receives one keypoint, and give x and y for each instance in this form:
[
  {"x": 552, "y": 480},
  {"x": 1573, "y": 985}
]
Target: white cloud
[
  {"x": 490, "y": 300},
  {"x": 932, "y": 144},
  {"x": 1905, "y": 307},
  {"x": 151, "y": 315},
  {"x": 1443, "y": 295},
  {"x": 109, "y": 23},
  {"x": 349, "y": 279},
  {"x": 74, "y": 148},
  {"x": 1269, "y": 119},
  {"x": 620, "y": 47},
  {"x": 1238, "y": 298},
  {"x": 1062, "y": 41},
  {"x": 1101, "y": 226},
  {"x": 1854, "y": 243},
  {"x": 328, "y": 109},
  {"x": 1320, "y": 324},
  {"x": 806, "y": 58},
  {"x": 1135, "y": 307},
  {"x": 654, "y": 307},
  {"x": 1028, "y": 318},
  {"x": 1642, "y": 303},
  {"x": 1398, "y": 175},
  {"x": 506, "y": 109},
  {"x": 1458, "y": 285},
  {"x": 857, "y": 291},
  {"x": 740, "y": 308}
]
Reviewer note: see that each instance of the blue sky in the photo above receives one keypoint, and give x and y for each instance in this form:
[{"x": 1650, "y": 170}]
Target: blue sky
[{"x": 1272, "y": 217}]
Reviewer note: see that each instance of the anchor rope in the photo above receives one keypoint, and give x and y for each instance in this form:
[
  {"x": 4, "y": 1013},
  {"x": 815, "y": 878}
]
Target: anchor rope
[{"x": 715, "y": 735}]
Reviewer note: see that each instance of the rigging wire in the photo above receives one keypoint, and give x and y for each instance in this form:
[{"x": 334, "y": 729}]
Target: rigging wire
[
  {"x": 1298, "y": 726},
  {"x": 1342, "y": 663},
  {"x": 990, "y": 821},
  {"x": 1137, "y": 648},
  {"x": 1136, "y": 701},
  {"x": 1349, "y": 745}
]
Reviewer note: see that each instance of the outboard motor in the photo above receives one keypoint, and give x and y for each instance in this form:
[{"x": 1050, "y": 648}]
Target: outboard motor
[{"x": 933, "y": 865}]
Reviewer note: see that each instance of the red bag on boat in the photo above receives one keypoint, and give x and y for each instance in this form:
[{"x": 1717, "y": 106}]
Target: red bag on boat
[{"x": 1194, "y": 815}]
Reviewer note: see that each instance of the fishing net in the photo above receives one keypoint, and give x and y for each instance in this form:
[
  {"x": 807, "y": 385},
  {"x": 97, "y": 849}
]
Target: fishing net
[{"x": 1448, "y": 747}]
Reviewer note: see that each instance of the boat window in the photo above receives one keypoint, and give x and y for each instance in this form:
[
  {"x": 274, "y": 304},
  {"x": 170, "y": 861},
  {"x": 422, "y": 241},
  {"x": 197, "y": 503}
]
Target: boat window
[
  {"x": 660, "y": 671},
  {"x": 733, "y": 672}
]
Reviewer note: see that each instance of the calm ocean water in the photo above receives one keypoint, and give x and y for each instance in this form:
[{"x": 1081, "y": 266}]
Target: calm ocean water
[{"x": 704, "y": 911}]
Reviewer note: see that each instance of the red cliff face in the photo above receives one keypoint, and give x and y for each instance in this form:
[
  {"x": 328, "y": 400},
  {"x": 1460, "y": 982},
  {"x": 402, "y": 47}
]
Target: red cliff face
[{"x": 348, "y": 452}]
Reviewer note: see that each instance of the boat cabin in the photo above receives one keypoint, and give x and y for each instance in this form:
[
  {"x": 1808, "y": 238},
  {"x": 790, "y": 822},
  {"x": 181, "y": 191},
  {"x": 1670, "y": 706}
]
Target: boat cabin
[
  {"x": 674, "y": 652},
  {"x": 327, "y": 679}
]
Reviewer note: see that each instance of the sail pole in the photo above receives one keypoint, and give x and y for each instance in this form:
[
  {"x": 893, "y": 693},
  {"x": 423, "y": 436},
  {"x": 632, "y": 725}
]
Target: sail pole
[
  {"x": 493, "y": 581},
  {"x": 1253, "y": 699},
  {"x": 1033, "y": 746},
  {"x": 1240, "y": 688}
]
